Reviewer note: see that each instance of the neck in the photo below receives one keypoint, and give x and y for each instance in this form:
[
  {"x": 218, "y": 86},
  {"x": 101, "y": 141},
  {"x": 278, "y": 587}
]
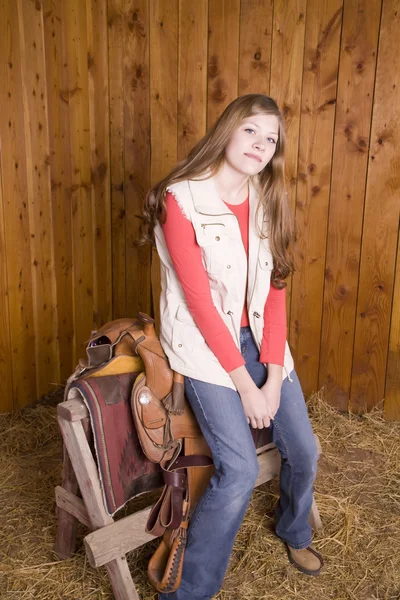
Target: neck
[{"x": 231, "y": 185}]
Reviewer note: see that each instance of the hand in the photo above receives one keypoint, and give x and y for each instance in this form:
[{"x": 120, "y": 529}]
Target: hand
[
  {"x": 271, "y": 391},
  {"x": 255, "y": 407},
  {"x": 253, "y": 400}
]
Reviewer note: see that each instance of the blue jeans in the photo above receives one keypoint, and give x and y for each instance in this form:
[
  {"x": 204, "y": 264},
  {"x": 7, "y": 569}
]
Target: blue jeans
[{"x": 221, "y": 509}]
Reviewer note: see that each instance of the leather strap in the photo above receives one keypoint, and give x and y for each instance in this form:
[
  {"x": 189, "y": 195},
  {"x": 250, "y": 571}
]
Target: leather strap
[{"x": 167, "y": 512}]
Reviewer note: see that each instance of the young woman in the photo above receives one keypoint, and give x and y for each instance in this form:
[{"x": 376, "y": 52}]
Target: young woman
[{"x": 223, "y": 232}]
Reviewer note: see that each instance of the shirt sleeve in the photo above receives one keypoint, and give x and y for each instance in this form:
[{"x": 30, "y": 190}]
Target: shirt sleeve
[
  {"x": 274, "y": 333},
  {"x": 185, "y": 254}
]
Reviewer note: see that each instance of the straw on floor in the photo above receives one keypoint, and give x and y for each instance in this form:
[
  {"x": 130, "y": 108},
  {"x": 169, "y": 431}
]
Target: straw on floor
[{"x": 357, "y": 491}]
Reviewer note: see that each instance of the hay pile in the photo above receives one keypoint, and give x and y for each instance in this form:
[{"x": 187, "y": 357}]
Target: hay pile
[{"x": 357, "y": 492}]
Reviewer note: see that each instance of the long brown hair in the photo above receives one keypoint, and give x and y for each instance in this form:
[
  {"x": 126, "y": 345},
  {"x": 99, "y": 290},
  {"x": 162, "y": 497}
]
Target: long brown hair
[{"x": 208, "y": 156}]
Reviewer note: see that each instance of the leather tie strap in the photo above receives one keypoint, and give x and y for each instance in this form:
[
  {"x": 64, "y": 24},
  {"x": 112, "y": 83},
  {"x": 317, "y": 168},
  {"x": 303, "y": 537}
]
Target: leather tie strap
[{"x": 167, "y": 512}]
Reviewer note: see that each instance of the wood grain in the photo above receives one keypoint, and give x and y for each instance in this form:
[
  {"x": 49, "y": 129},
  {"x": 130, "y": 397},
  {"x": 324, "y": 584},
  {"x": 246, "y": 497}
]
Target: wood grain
[
  {"x": 392, "y": 389},
  {"x": 115, "y": 60},
  {"x": 34, "y": 87},
  {"x": 82, "y": 213},
  {"x": 60, "y": 170},
  {"x": 349, "y": 167},
  {"x": 255, "y": 42},
  {"x": 192, "y": 75},
  {"x": 223, "y": 51},
  {"x": 128, "y": 89},
  {"x": 380, "y": 224},
  {"x": 316, "y": 136},
  {"x": 6, "y": 390},
  {"x": 16, "y": 213},
  {"x": 163, "y": 107},
  {"x": 287, "y": 56},
  {"x": 99, "y": 118},
  {"x": 136, "y": 151}
]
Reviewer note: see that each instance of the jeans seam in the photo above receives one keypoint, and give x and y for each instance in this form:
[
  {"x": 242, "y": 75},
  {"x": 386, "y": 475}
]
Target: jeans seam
[
  {"x": 194, "y": 522},
  {"x": 279, "y": 430}
]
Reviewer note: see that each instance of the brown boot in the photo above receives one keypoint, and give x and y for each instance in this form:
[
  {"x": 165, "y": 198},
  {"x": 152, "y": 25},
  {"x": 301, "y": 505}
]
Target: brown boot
[{"x": 306, "y": 560}]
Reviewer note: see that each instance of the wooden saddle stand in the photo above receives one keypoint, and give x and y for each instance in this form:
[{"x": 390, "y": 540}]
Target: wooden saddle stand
[{"x": 168, "y": 435}]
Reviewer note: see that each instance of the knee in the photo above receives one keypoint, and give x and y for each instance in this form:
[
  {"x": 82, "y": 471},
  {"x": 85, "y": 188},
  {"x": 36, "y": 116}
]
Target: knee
[
  {"x": 240, "y": 474},
  {"x": 306, "y": 460}
]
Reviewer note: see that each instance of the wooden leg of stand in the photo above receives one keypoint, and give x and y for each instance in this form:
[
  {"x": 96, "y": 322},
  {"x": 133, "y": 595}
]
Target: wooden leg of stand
[
  {"x": 121, "y": 580},
  {"x": 66, "y": 523},
  {"x": 314, "y": 519},
  {"x": 88, "y": 480}
]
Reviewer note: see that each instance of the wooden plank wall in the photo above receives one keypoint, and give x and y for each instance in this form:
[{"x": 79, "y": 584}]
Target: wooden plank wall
[{"x": 100, "y": 98}]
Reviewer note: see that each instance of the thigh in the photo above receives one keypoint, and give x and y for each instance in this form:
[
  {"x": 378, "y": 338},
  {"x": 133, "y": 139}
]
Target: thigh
[
  {"x": 292, "y": 431},
  {"x": 219, "y": 413}
]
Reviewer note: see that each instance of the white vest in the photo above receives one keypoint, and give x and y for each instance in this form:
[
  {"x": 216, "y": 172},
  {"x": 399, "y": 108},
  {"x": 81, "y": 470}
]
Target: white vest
[{"x": 230, "y": 274}]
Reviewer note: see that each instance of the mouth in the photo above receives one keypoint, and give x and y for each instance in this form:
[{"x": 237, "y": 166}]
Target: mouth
[{"x": 254, "y": 157}]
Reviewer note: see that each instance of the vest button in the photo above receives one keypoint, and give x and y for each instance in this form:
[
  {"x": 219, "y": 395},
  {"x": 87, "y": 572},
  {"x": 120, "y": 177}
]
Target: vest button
[
  {"x": 266, "y": 263},
  {"x": 179, "y": 345},
  {"x": 228, "y": 266},
  {"x": 217, "y": 238},
  {"x": 256, "y": 315}
]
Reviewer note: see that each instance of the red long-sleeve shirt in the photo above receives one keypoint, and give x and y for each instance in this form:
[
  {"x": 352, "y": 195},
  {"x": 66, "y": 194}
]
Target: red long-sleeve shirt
[{"x": 185, "y": 254}]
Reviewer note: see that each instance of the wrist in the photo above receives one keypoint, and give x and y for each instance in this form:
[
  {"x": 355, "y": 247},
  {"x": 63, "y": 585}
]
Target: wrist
[
  {"x": 242, "y": 379},
  {"x": 275, "y": 372}
]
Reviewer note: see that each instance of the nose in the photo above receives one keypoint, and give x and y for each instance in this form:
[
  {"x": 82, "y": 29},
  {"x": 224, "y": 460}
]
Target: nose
[{"x": 259, "y": 145}]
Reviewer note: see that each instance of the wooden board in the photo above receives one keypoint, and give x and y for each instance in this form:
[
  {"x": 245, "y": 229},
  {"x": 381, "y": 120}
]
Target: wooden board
[
  {"x": 392, "y": 389},
  {"x": 223, "y": 51},
  {"x": 255, "y": 46},
  {"x": 82, "y": 213},
  {"x": 287, "y": 57},
  {"x": 163, "y": 106},
  {"x": 380, "y": 224},
  {"x": 192, "y": 75},
  {"x": 34, "y": 87},
  {"x": 16, "y": 213},
  {"x": 316, "y": 131},
  {"x": 60, "y": 169},
  {"x": 136, "y": 73},
  {"x": 6, "y": 390},
  {"x": 97, "y": 58},
  {"x": 349, "y": 167},
  {"x": 115, "y": 61}
]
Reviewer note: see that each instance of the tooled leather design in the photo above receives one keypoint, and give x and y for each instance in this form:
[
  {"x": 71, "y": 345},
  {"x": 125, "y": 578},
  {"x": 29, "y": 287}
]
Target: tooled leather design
[{"x": 173, "y": 574}]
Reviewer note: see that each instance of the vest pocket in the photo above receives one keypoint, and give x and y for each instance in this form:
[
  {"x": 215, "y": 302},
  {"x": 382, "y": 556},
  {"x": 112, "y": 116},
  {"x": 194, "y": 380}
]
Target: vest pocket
[
  {"x": 212, "y": 239},
  {"x": 184, "y": 332}
]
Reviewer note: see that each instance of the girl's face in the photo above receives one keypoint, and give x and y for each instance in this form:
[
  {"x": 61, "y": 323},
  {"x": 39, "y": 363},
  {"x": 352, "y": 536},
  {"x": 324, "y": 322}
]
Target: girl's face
[{"x": 253, "y": 144}]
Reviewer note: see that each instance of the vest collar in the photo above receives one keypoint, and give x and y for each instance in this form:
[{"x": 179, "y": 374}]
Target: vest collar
[{"x": 207, "y": 201}]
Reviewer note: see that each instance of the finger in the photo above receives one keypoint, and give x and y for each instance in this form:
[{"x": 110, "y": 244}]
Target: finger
[
  {"x": 253, "y": 423},
  {"x": 248, "y": 420},
  {"x": 267, "y": 422},
  {"x": 260, "y": 423}
]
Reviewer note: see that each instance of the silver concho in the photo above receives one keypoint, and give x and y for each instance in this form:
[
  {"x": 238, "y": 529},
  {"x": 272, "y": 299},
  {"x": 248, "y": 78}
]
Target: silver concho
[{"x": 145, "y": 397}]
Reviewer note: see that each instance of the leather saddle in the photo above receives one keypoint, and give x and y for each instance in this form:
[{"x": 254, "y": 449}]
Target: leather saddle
[{"x": 168, "y": 433}]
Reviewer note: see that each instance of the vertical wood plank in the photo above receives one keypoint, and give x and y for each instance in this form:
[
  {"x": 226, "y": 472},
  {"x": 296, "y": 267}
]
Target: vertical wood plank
[
  {"x": 255, "y": 39},
  {"x": 30, "y": 19},
  {"x": 163, "y": 106},
  {"x": 115, "y": 60},
  {"x": 15, "y": 210},
  {"x": 380, "y": 227},
  {"x": 392, "y": 390},
  {"x": 192, "y": 74},
  {"x": 136, "y": 72},
  {"x": 316, "y": 131},
  {"x": 287, "y": 56},
  {"x": 349, "y": 165},
  {"x": 96, "y": 14},
  {"x": 6, "y": 387},
  {"x": 82, "y": 235},
  {"x": 60, "y": 168},
  {"x": 223, "y": 50}
]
